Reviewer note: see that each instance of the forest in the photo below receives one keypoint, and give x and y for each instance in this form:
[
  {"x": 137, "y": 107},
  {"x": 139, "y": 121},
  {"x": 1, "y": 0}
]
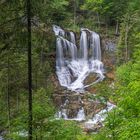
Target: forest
[{"x": 69, "y": 70}]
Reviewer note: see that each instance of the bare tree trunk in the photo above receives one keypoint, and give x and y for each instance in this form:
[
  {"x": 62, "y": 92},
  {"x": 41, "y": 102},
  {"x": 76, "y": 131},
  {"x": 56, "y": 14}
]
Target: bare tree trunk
[
  {"x": 36, "y": 81},
  {"x": 75, "y": 6},
  {"x": 29, "y": 70},
  {"x": 126, "y": 42},
  {"x": 106, "y": 25},
  {"x": 8, "y": 95},
  {"x": 117, "y": 28},
  {"x": 98, "y": 18},
  {"x": 17, "y": 98},
  {"x": 42, "y": 56}
]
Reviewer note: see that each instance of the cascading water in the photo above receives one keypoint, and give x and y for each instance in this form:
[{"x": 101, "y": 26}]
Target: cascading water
[
  {"x": 83, "y": 46},
  {"x": 81, "y": 114},
  {"x": 73, "y": 65},
  {"x": 72, "y": 38},
  {"x": 100, "y": 116}
]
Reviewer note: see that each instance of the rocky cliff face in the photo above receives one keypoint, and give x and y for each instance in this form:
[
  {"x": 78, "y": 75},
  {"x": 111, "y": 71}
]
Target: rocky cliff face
[
  {"x": 73, "y": 102},
  {"x": 109, "y": 56}
]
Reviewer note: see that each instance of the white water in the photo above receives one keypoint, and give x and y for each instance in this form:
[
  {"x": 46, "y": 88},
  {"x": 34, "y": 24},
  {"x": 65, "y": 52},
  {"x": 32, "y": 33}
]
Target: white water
[
  {"x": 83, "y": 46},
  {"x": 100, "y": 116},
  {"x": 73, "y": 64},
  {"x": 62, "y": 113},
  {"x": 97, "y": 118},
  {"x": 72, "y": 38},
  {"x": 81, "y": 115},
  {"x": 58, "y": 30}
]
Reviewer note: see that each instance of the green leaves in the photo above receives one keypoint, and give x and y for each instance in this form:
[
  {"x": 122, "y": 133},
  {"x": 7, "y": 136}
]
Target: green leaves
[
  {"x": 129, "y": 129},
  {"x": 42, "y": 106},
  {"x": 94, "y": 5},
  {"x": 59, "y": 4},
  {"x": 62, "y": 130}
]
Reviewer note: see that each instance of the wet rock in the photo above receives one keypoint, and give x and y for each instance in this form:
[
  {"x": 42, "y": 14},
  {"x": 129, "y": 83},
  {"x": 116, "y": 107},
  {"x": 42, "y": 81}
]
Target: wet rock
[
  {"x": 90, "y": 79},
  {"x": 110, "y": 75},
  {"x": 89, "y": 127},
  {"x": 72, "y": 113},
  {"x": 75, "y": 101}
]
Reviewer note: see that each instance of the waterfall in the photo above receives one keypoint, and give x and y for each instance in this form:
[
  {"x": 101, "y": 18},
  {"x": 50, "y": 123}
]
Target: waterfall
[
  {"x": 62, "y": 113},
  {"x": 58, "y": 30},
  {"x": 95, "y": 45},
  {"x": 81, "y": 114},
  {"x": 74, "y": 64},
  {"x": 83, "y": 46},
  {"x": 72, "y": 38},
  {"x": 100, "y": 116}
]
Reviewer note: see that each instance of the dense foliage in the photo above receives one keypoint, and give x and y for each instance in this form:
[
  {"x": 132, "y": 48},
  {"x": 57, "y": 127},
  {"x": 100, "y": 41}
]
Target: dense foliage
[
  {"x": 100, "y": 15},
  {"x": 124, "y": 122}
]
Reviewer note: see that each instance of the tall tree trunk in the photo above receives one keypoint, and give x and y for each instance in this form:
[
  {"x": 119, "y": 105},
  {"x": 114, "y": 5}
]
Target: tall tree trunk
[
  {"x": 29, "y": 70},
  {"x": 74, "y": 18},
  {"x": 98, "y": 19},
  {"x": 42, "y": 54},
  {"x": 8, "y": 94},
  {"x": 36, "y": 81},
  {"x": 17, "y": 101},
  {"x": 126, "y": 42},
  {"x": 106, "y": 25},
  {"x": 117, "y": 28}
]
